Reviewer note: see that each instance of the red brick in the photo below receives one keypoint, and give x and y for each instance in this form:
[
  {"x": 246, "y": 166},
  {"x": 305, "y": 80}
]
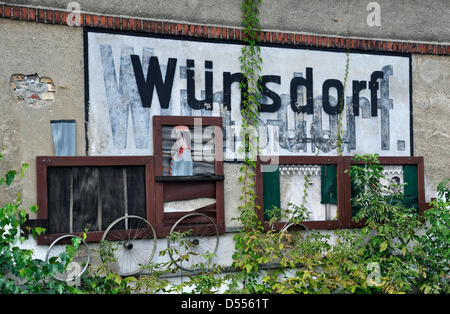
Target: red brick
[
  {"x": 117, "y": 23},
  {"x": 57, "y": 17},
  {"x": 87, "y": 20},
  {"x": 94, "y": 20},
  {"x": 145, "y": 25},
  {"x": 159, "y": 27},
  {"x": 102, "y": 22},
  {"x": 82, "y": 18},
  {"x": 166, "y": 28},
  {"x": 319, "y": 41},
  {"x": 132, "y": 24},
  {"x": 24, "y": 14},
  {"x": 32, "y": 14},
  {"x": 191, "y": 30},
  {"x": 110, "y": 22},
  {"x": 138, "y": 24},
  {"x": 291, "y": 38},
  {"x": 280, "y": 38},
  {"x": 173, "y": 28},
  {"x": 179, "y": 29},
  {"x": 357, "y": 44},
  {"x": 15, "y": 13},
  {"x": 237, "y": 34},
  {"x": 124, "y": 24},
  {"x": 308, "y": 40},
  {"x": 212, "y": 32},
  {"x": 224, "y": 33},
  {"x": 231, "y": 33},
  {"x": 49, "y": 16},
  {"x": 218, "y": 32},
  {"x": 64, "y": 18},
  {"x": 7, "y": 11},
  {"x": 41, "y": 15},
  {"x": 336, "y": 42},
  {"x": 419, "y": 48},
  {"x": 185, "y": 29}
]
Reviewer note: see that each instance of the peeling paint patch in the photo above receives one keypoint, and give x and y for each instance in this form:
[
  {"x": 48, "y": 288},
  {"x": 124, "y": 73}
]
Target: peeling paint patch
[{"x": 32, "y": 89}]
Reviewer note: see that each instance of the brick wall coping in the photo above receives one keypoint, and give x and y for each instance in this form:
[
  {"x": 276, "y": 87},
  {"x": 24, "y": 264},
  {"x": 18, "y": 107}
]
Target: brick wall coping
[{"x": 164, "y": 27}]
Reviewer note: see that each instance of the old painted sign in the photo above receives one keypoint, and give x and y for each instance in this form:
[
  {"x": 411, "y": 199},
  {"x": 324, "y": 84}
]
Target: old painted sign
[{"x": 131, "y": 78}]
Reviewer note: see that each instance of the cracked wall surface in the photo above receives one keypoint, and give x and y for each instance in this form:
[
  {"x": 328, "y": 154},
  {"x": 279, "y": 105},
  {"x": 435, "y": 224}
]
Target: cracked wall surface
[{"x": 54, "y": 52}]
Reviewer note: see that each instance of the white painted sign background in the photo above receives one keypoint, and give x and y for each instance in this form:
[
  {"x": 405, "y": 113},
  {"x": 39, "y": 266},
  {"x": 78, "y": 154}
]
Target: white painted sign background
[{"x": 283, "y": 132}]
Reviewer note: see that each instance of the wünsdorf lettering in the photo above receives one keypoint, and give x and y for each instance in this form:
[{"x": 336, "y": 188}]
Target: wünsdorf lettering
[{"x": 299, "y": 102}]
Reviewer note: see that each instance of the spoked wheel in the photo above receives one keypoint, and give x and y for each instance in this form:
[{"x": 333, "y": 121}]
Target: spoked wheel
[
  {"x": 128, "y": 244},
  {"x": 292, "y": 234},
  {"x": 295, "y": 227},
  {"x": 193, "y": 241},
  {"x": 80, "y": 260}
]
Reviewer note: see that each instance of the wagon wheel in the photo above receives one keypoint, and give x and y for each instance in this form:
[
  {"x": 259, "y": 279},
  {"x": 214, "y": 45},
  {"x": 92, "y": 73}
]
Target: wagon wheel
[
  {"x": 80, "y": 260},
  {"x": 128, "y": 245},
  {"x": 193, "y": 241},
  {"x": 292, "y": 233}
]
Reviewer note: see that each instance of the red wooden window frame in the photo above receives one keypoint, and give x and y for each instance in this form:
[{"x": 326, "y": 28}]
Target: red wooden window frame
[
  {"x": 388, "y": 160},
  {"x": 304, "y": 160},
  {"x": 167, "y": 190},
  {"x": 43, "y": 162},
  {"x": 344, "y": 205}
]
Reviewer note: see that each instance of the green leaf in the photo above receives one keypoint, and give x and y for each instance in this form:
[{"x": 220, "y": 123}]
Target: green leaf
[
  {"x": 383, "y": 246},
  {"x": 10, "y": 176},
  {"x": 22, "y": 170}
]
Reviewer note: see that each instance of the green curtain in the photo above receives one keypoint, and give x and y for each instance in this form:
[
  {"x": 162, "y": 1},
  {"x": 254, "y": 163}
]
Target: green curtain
[
  {"x": 271, "y": 190},
  {"x": 410, "y": 199},
  {"x": 328, "y": 179}
]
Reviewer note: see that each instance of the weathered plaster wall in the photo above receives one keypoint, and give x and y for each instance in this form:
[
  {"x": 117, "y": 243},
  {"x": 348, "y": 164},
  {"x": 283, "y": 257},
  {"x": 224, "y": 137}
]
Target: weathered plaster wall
[
  {"x": 50, "y": 51},
  {"x": 431, "y": 94},
  {"x": 425, "y": 20},
  {"x": 57, "y": 52}
]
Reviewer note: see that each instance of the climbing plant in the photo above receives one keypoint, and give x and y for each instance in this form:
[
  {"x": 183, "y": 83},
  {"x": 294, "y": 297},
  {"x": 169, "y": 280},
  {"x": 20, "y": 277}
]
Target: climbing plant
[{"x": 251, "y": 65}]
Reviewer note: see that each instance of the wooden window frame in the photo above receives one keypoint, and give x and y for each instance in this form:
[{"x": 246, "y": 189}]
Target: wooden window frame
[
  {"x": 304, "y": 160},
  {"x": 344, "y": 205},
  {"x": 388, "y": 160},
  {"x": 43, "y": 162},
  {"x": 165, "y": 186}
]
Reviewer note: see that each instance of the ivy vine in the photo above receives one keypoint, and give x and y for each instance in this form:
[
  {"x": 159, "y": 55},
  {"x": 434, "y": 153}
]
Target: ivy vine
[{"x": 251, "y": 64}]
